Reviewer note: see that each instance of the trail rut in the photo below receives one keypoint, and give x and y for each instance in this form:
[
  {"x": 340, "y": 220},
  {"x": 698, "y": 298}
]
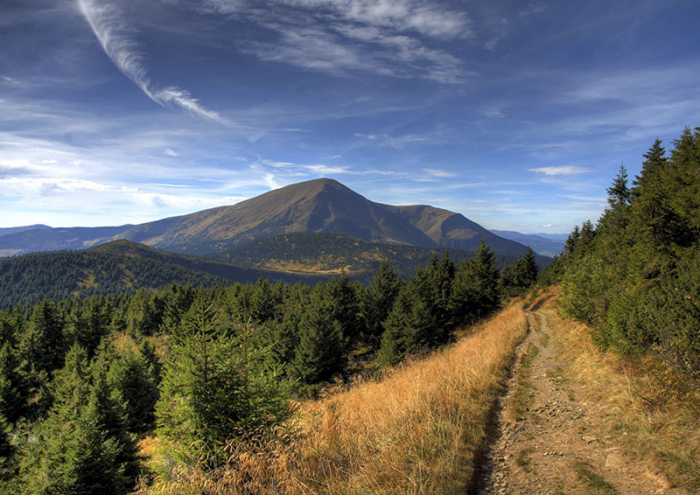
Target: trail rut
[{"x": 549, "y": 442}]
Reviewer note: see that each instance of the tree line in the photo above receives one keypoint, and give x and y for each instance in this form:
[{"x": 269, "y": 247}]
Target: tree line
[
  {"x": 81, "y": 381},
  {"x": 635, "y": 274}
]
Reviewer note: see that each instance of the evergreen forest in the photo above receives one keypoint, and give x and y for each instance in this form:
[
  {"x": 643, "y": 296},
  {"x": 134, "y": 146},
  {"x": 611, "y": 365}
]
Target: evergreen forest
[
  {"x": 635, "y": 274},
  {"x": 84, "y": 381}
]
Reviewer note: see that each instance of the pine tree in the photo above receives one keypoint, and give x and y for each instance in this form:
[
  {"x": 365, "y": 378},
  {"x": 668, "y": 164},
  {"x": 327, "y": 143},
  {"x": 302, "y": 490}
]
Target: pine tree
[
  {"x": 136, "y": 380},
  {"x": 341, "y": 299},
  {"x": 320, "y": 353},
  {"x": 7, "y": 451},
  {"x": 72, "y": 451},
  {"x": 377, "y": 301},
  {"x": 527, "y": 270},
  {"x": 42, "y": 345},
  {"x": 398, "y": 332},
  {"x": 14, "y": 389},
  {"x": 619, "y": 194},
  {"x": 475, "y": 293},
  {"x": 211, "y": 390}
]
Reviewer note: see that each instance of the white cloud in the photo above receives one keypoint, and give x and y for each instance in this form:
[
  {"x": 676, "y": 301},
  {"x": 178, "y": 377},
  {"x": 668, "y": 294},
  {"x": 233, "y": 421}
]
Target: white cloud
[
  {"x": 386, "y": 37},
  {"x": 171, "y": 152},
  {"x": 434, "y": 172},
  {"x": 49, "y": 161},
  {"x": 113, "y": 33},
  {"x": 270, "y": 181},
  {"x": 326, "y": 170},
  {"x": 560, "y": 170}
]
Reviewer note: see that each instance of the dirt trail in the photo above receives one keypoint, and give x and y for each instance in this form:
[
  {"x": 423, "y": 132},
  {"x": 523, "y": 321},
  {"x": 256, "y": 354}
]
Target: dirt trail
[{"x": 556, "y": 445}]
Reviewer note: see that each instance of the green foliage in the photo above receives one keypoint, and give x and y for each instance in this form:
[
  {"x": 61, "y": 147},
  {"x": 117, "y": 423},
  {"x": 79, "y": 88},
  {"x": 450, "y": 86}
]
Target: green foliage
[
  {"x": 211, "y": 389},
  {"x": 58, "y": 275},
  {"x": 136, "y": 376},
  {"x": 14, "y": 388},
  {"x": 43, "y": 344},
  {"x": 517, "y": 278},
  {"x": 636, "y": 276},
  {"x": 320, "y": 352},
  {"x": 81, "y": 447},
  {"x": 377, "y": 301},
  {"x": 475, "y": 292},
  {"x": 74, "y": 390}
]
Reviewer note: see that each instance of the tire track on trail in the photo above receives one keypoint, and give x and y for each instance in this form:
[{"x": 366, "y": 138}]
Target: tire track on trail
[{"x": 545, "y": 441}]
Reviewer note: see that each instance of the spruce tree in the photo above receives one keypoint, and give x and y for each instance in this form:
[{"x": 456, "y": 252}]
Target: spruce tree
[
  {"x": 14, "y": 389},
  {"x": 211, "y": 390},
  {"x": 398, "y": 332},
  {"x": 320, "y": 354},
  {"x": 475, "y": 293},
  {"x": 136, "y": 380},
  {"x": 73, "y": 450},
  {"x": 42, "y": 345},
  {"x": 377, "y": 301}
]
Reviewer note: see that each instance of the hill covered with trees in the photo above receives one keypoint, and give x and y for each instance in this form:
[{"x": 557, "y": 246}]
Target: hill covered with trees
[
  {"x": 635, "y": 274},
  {"x": 336, "y": 253},
  {"x": 120, "y": 267},
  {"x": 82, "y": 380}
]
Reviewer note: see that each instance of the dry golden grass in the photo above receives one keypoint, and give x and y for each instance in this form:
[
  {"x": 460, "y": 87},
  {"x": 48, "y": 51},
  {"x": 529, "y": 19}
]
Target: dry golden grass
[
  {"x": 652, "y": 410},
  {"x": 415, "y": 431}
]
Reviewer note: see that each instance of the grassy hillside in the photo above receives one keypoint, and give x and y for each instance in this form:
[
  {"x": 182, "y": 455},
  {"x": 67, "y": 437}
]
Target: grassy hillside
[{"x": 414, "y": 431}]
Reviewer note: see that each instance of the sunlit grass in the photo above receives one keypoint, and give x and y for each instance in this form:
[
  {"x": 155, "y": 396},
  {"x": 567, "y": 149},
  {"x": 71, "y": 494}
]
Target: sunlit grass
[{"x": 415, "y": 431}]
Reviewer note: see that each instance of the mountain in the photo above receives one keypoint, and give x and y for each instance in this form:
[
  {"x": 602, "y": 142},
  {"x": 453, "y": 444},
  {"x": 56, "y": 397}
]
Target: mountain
[
  {"x": 14, "y": 230},
  {"x": 115, "y": 268},
  {"x": 56, "y": 239},
  {"x": 317, "y": 206},
  {"x": 551, "y": 247},
  {"x": 553, "y": 237},
  {"x": 336, "y": 253}
]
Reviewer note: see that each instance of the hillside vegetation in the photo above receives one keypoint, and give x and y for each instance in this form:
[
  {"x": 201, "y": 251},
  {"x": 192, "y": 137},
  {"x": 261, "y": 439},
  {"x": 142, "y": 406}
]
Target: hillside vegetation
[
  {"x": 210, "y": 370},
  {"x": 120, "y": 267},
  {"x": 417, "y": 430},
  {"x": 635, "y": 275},
  {"x": 337, "y": 253}
]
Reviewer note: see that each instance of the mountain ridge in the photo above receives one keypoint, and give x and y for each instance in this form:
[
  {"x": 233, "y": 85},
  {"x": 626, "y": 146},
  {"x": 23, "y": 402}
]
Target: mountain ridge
[{"x": 315, "y": 206}]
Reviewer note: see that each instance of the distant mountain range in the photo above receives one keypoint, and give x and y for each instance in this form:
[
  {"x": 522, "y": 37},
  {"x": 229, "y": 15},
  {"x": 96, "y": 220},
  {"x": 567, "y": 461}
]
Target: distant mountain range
[
  {"x": 317, "y": 206},
  {"x": 14, "y": 230},
  {"x": 551, "y": 245}
]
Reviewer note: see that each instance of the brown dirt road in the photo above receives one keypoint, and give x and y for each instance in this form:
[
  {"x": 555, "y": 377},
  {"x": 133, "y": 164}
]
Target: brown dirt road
[{"x": 550, "y": 441}]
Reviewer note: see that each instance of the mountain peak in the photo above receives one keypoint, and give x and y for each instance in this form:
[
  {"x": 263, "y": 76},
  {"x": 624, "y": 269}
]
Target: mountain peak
[{"x": 314, "y": 206}]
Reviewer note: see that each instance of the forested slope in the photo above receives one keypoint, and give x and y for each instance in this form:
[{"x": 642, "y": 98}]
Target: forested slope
[
  {"x": 120, "y": 267},
  {"x": 635, "y": 275},
  {"x": 199, "y": 372}
]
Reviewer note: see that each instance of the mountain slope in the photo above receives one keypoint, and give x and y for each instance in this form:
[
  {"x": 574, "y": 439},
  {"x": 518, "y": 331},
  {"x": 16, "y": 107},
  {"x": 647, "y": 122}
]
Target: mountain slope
[
  {"x": 316, "y": 206},
  {"x": 14, "y": 230},
  {"x": 115, "y": 268},
  {"x": 334, "y": 253},
  {"x": 322, "y": 205}
]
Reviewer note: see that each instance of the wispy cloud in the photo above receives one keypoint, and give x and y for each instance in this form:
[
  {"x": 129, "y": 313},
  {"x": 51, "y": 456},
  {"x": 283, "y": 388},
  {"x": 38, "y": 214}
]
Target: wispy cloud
[
  {"x": 171, "y": 152},
  {"x": 395, "y": 141},
  {"x": 317, "y": 168},
  {"x": 560, "y": 170},
  {"x": 385, "y": 37},
  {"x": 115, "y": 36},
  {"x": 434, "y": 172}
]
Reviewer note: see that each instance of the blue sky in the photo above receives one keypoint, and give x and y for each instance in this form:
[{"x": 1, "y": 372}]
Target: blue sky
[{"x": 516, "y": 114}]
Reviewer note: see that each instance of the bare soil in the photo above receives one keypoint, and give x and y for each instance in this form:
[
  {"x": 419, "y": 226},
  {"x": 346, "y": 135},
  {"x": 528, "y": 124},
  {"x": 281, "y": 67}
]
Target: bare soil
[{"x": 557, "y": 444}]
